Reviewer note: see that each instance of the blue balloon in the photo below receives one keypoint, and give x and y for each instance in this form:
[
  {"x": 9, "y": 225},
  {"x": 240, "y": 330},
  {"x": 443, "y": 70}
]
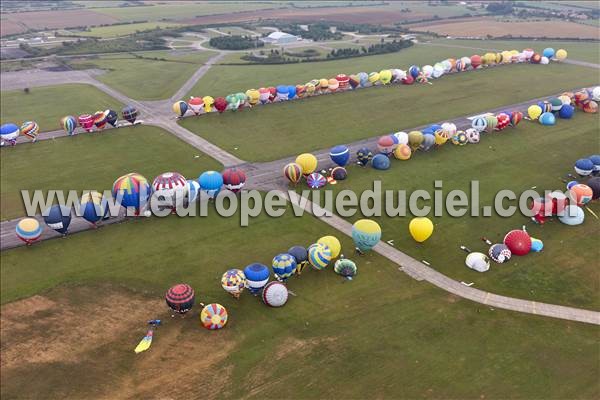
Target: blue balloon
[
  {"x": 547, "y": 118},
  {"x": 548, "y": 52},
  {"x": 58, "y": 218},
  {"x": 435, "y": 127},
  {"x": 414, "y": 71},
  {"x": 211, "y": 183},
  {"x": 363, "y": 156},
  {"x": 283, "y": 89},
  {"x": 571, "y": 184},
  {"x": 596, "y": 160},
  {"x": 363, "y": 78},
  {"x": 94, "y": 212},
  {"x": 428, "y": 131},
  {"x": 566, "y": 111},
  {"x": 584, "y": 166},
  {"x": 284, "y": 265},
  {"x": 381, "y": 162},
  {"x": 340, "y": 155},
  {"x": 395, "y": 139},
  {"x": 291, "y": 92},
  {"x": 257, "y": 276}
]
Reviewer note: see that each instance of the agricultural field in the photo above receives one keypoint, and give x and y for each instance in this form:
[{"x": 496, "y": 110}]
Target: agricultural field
[
  {"x": 508, "y": 160},
  {"x": 323, "y": 121},
  {"x": 123, "y": 30},
  {"x": 497, "y": 28},
  {"x": 157, "y": 75},
  {"x": 94, "y": 161},
  {"x": 584, "y": 51},
  {"x": 57, "y": 19},
  {"x": 419, "y": 347},
  {"x": 18, "y": 106}
]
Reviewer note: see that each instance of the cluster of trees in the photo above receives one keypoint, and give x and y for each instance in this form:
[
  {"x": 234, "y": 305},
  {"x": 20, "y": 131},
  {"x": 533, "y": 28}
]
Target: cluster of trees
[
  {"x": 500, "y": 7},
  {"x": 235, "y": 42},
  {"x": 379, "y": 48},
  {"x": 303, "y": 54}
]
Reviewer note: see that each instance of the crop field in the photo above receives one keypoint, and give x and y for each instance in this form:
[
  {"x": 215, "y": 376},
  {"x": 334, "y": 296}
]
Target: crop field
[
  {"x": 323, "y": 121},
  {"x": 486, "y": 26},
  {"x": 58, "y": 19},
  {"x": 94, "y": 161},
  {"x": 420, "y": 330},
  {"x": 584, "y": 51},
  {"x": 154, "y": 77},
  {"x": 18, "y": 107},
  {"x": 517, "y": 159},
  {"x": 126, "y": 29}
]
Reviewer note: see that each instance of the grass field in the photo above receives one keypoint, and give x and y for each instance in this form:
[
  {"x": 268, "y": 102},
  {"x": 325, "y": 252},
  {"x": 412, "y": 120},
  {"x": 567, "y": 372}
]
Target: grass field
[
  {"x": 531, "y": 155},
  {"x": 146, "y": 79},
  {"x": 122, "y": 30},
  {"x": 424, "y": 338},
  {"x": 323, "y": 121},
  {"x": 584, "y": 51},
  {"x": 93, "y": 162},
  {"x": 40, "y": 105}
]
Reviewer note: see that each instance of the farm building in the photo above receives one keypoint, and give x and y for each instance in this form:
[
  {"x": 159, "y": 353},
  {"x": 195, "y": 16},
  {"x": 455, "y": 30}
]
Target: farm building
[{"x": 280, "y": 38}]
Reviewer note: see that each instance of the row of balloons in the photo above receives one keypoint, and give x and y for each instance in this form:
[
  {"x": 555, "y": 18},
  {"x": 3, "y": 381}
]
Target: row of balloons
[
  {"x": 134, "y": 190},
  {"x": 10, "y": 132},
  {"x": 343, "y": 82},
  {"x": 402, "y": 144}
]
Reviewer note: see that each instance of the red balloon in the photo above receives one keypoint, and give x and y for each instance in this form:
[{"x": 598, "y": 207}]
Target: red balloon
[
  {"x": 220, "y": 104},
  {"x": 475, "y": 61},
  {"x": 408, "y": 80},
  {"x": 234, "y": 179},
  {"x": 272, "y": 93},
  {"x": 518, "y": 242}
]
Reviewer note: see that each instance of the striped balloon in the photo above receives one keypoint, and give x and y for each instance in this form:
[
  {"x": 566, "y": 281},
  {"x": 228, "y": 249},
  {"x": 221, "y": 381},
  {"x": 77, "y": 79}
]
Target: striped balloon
[
  {"x": 86, "y": 121},
  {"x": 479, "y": 123},
  {"x": 213, "y": 316},
  {"x": 515, "y": 118},
  {"x": 293, "y": 172},
  {"x": 180, "y": 108},
  {"x": 319, "y": 255},
  {"x": 69, "y": 123},
  {"x": 30, "y": 129},
  {"x": 100, "y": 119},
  {"x": 29, "y": 230},
  {"x": 284, "y": 266},
  {"x": 316, "y": 180}
]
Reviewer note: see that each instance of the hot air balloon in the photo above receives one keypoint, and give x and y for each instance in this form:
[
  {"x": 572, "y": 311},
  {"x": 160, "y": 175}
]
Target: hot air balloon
[
  {"x": 192, "y": 190},
  {"x": 234, "y": 179},
  {"x": 595, "y": 159},
  {"x": 427, "y": 71},
  {"x": 220, "y": 104},
  {"x": 567, "y": 111},
  {"x": 319, "y": 256},
  {"x": 310, "y": 89},
  {"x": 9, "y": 134},
  {"x": 111, "y": 117},
  {"x": 581, "y": 194},
  {"x": 129, "y": 113},
  {"x": 363, "y": 156},
  {"x": 257, "y": 276},
  {"x": 547, "y": 118},
  {"x": 300, "y": 255},
  {"x": 518, "y": 242},
  {"x": 68, "y": 123},
  {"x": 233, "y": 282},
  {"x": 211, "y": 183},
  {"x": 28, "y": 230},
  {"x": 213, "y": 316},
  {"x": 99, "y": 120},
  {"x": 366, "y": 234},
  {"x": 363, "y": 78},
  {"x": 232, "y": 102},
  {"x": 503, "y": 121},
  {"x": 415, "y": 138},
  {"x": 473, "y": 135},
  {"x": 209, "y": 102},
  {"x": 401, "y": 137},
  {"x": 402, "y": 152},
  {"x": 307, "y": 162},
  {"x": 354, "y": 81},
  {"x": 93, "y": 207},
  {"x": 535, "y": 58},
  {"x": 408, "y": 80},
  {"x": 381, "y": 162},
  {"x": 479, "y": 123},
  {"x": 340, "y": 155},
  {"x": 170, "y": 187},
  {"x": 385, "y": 76},
  {"x": 584, "y": 166},
  {"x": 58, "y": 218},
  {"x": 284, "y": 266},
  {"x": 374, "y": 78},
  {"x": 293, "y": 172},
  {"x": 478, "y": 262},
  {"x": 333, "y": 85},
  {"x": 572, "y": 215},
  {"x": 342, "y": 81},
  {"x": 316, "y": 180},
  {"x": 534, "y": 112},
  {"x": 590, "y": 107},
  {"x": 196, "y": 104},
  {"x": 275, "y": 294},
  {"x": 515, "y": 118},
  {"x": 282, "y": 92},
  {"x": 272, "y": 93},
  {"x": 475, "y": 61},
  {"x": 253, "y": 96},
  {"x": 333, "y": 243},
  {"x": 386, "y": 145},
  {"x": 548, "y": 52},
  {"x": 339, "y": 173},
  {"x": 300, "y": 91},
  {"x": 500, "y": 253},
  {"x": 561, "y": 54},
  {"x": 345, "y": 268},
  {"x": 420, "y": 229},
  {"x": 133, "y": 189},
  {"x": 460, "y": 138},
  {"x": 264, "y": 95},
  {"x": 86, "y": 121},
  {"x": 536, "y": 245},
  {"x": 414, "y": 71},
  {"x": 491, "y": 123},
  {"x": 30, "y": 129},
  {"x": 594, "y": 184},
  {"x": 180, "y": 298},
  {"x": 398, "y": 75},
  {"x": 428, "y": 142}
]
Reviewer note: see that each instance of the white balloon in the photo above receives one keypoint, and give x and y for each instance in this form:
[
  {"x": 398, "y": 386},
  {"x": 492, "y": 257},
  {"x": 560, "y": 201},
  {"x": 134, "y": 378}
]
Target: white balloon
[
  {"x": 544, "y": 60},
  {"x": 427, "y": 71},
  {"x": 402, "y": 137}
]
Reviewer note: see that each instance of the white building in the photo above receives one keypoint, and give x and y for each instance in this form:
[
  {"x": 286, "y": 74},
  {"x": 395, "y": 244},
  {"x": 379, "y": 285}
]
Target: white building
[{"x": 280, "y": 38}]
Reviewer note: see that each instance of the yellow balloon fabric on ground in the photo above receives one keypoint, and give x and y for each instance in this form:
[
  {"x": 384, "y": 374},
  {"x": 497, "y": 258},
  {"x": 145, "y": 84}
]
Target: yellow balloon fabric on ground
[
  {"x": 420, "y": 228},
  {"x": 534, "y": 111},
  {"x": 307, "y": 162},
  {"x": 561, "y": 54},
  {"x": 333, "y": 243}
]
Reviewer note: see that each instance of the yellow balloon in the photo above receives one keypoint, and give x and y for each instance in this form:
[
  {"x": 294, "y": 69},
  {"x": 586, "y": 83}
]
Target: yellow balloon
[
  {"x": 498, "y": 59},
  {"x": 560, "y": 54},
  {"x": 385, "y": 76},
  {"x": 307, "y": 162},
  {"x": 506, "y": 56},
  {"x": 420, "y": 228},
  {"x": 534, "y": 111},
  {"x": 253, "y": 96},
  {"x": 402, "y": 152},
  {"x": 208, "y": 103},
  {"x": 415, "y": 138},
  {"x": 440, "y": 138},
  {"x": 333, "y": 243},
  {"x": 324, "y": 83},
  {"x": 373, "y": 77}
]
